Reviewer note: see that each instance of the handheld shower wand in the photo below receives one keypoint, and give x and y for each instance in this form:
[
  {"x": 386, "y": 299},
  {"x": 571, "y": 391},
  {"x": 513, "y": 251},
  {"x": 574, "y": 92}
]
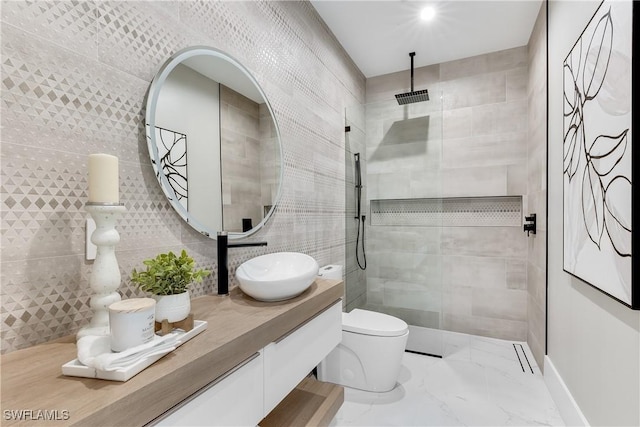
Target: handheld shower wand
[{"x": 360, "y": 218}]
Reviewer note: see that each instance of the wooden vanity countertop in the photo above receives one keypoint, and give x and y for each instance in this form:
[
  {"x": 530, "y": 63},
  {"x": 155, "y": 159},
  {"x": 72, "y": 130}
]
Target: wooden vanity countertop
[{"x": 238, "y": 327}]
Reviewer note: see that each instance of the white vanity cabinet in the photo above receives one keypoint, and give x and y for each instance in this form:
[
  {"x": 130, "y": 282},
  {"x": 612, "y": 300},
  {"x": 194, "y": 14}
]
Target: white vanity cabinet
[
  {"x": 290, "y": 358},
  {"x": 235, "y": 399},
  {"x": 247, "y": 393}
]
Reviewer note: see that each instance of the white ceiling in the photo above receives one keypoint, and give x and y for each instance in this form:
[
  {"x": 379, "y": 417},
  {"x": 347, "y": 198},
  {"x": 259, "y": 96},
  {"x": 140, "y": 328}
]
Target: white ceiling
[{"x": 378, "y": 35}]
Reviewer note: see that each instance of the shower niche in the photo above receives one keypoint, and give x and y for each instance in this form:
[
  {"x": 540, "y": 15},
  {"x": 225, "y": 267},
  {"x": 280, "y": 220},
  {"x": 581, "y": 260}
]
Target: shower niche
[{"x": 502, "y": 211}]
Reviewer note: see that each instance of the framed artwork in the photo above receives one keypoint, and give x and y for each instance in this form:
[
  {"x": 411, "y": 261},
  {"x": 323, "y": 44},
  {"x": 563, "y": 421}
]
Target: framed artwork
[{"x": 598, "y": 169}]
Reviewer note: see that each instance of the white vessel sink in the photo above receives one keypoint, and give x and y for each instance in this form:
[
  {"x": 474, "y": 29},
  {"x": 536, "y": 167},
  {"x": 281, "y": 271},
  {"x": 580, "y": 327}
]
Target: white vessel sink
[{"x": 278, "y": 276}]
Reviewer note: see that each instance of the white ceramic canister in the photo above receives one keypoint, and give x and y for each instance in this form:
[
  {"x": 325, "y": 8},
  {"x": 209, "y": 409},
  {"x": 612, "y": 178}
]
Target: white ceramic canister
[{"x": 131, "y": 322}]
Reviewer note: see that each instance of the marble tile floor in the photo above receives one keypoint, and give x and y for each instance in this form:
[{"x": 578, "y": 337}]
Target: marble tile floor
[{"x": 478, "y": 382}]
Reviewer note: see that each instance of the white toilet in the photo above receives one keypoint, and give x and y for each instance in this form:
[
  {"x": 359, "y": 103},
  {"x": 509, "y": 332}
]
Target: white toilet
[{"x": 370, "y": 354}]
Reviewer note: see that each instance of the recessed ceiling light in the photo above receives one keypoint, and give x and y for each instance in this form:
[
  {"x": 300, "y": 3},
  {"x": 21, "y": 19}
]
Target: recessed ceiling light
[{"x": 428, "y": 13}]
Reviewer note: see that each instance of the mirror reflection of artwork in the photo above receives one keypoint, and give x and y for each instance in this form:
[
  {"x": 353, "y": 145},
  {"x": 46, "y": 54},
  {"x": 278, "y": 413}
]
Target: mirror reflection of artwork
[
  {"x": 597, "y": 154},
  {"x": 234, "y": 152},
  {"x": 172, "y": 151}
]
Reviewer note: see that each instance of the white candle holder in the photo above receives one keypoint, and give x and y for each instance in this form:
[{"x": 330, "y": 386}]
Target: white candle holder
[{"x": 105, "y": 276}]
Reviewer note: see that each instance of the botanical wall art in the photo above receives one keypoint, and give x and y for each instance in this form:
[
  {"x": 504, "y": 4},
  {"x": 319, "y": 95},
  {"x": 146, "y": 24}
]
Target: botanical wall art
[{"x": 597, "y": 153}]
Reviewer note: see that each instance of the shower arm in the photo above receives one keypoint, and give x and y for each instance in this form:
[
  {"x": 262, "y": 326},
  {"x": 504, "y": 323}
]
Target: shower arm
[{"x": 412, "y": 54}]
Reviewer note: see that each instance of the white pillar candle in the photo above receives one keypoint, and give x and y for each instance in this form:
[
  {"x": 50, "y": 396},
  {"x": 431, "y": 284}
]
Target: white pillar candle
[{"x": 103, "y": 179}]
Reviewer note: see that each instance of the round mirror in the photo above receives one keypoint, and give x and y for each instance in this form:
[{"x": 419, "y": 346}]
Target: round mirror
[{"x": 214, "y": 142}]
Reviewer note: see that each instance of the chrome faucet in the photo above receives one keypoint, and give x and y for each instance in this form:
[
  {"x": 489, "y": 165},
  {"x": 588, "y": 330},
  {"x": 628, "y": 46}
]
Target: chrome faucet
[{"x": 223, "y": 266}]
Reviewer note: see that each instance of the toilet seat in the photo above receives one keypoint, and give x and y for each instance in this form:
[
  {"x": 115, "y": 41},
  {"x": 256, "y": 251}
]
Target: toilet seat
[{"x": 372, "y": 323}]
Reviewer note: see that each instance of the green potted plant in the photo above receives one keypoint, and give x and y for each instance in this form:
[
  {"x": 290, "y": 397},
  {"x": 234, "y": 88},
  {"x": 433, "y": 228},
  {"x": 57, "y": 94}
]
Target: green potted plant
[{"x": 168, "y": 278}]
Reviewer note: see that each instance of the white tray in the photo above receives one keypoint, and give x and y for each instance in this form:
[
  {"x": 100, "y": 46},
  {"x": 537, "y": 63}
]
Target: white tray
[{"x": 77, "y": 369}]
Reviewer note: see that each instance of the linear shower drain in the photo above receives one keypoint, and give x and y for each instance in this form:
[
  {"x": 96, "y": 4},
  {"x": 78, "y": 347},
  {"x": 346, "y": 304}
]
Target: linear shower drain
[{"x": 522, "y": 358}]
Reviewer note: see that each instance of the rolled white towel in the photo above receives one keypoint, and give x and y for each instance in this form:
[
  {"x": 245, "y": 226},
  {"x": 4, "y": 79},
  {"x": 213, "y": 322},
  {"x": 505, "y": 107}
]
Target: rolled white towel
[{"x": 95, "y": 351}]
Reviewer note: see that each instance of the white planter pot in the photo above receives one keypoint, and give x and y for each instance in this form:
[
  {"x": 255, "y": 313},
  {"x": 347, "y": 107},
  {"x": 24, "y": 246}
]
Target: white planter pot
[{"x": 173, "y": 308}]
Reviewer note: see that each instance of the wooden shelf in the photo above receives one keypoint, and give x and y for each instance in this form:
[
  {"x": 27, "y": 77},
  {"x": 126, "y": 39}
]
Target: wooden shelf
[
  {"x": 311, "y": 403},
  {"x": 238, "y": 326}
]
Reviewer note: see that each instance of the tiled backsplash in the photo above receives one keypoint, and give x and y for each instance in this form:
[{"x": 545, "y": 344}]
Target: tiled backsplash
[{"x": 74, "y": 79}]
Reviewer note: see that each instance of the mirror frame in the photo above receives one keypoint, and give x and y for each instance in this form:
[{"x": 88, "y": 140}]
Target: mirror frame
[{"x": 151, "y": 106}]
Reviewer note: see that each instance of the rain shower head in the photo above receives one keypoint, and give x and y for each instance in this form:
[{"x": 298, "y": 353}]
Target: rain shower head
[{"x": 413, "y": 96}]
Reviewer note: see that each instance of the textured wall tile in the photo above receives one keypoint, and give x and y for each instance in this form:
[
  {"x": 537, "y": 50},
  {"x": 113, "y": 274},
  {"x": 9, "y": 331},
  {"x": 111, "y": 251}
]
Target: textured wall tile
[
  {"x": 138, "y": 37},
  {"x": 92, "y": 100},
  {"x": 67, "y": 23},
  {"x": 42, "y": 299},
  {"x": 79, "y": 104}
]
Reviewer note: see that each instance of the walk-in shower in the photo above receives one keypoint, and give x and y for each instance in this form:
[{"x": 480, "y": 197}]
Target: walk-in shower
[{"x": 394, "y": 162}]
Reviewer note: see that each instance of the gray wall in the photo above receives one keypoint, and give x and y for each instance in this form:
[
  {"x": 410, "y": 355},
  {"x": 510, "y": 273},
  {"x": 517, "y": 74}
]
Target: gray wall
[
  {"x": 594, "y": 341},
  {"x": 536, "y": 200},
  {"x": 476, "y": 146},
  {"x": 74, "y": 79},
  {"x": 241, "y": 149}
]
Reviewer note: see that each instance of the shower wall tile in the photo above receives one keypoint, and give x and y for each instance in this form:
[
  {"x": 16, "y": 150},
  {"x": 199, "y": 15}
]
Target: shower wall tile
[
  {"x": 486, "y": 150},
  {"x": 475, "y": 91},
  {"x": 474, "y": 272},
  {"x": 500, "y": 118},
  {"x": 424, "y": 240},
  {"x": 504, "y": 60},
  {"x": 457, "y": 301},
  {"x": 375, "y": 291},
  {"x": 424, "y": 318},
  {"x": 506, "y": 242},
  {"x": 536, "y": 200},
  {"x": 517, "y": 180},
  {"x": 516, "y": 274},
  {"x": 61, "y": 104},
  {"x": 517, "y": 84},
  {"x": 425, "y": 184},
  {"x": 399, "y": 295},
  {"x": 489, "y": 327},
  {"x": 457, "y": 123},
  {"x": 474, "y": 181},
  {"x": 502, "y": 304}
]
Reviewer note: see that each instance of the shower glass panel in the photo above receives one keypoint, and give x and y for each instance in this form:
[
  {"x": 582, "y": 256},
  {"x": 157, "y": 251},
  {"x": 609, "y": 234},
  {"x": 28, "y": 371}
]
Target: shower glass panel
[
  {"x": 355, "y": 145},
  {"x": 400, "y": 150}
]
